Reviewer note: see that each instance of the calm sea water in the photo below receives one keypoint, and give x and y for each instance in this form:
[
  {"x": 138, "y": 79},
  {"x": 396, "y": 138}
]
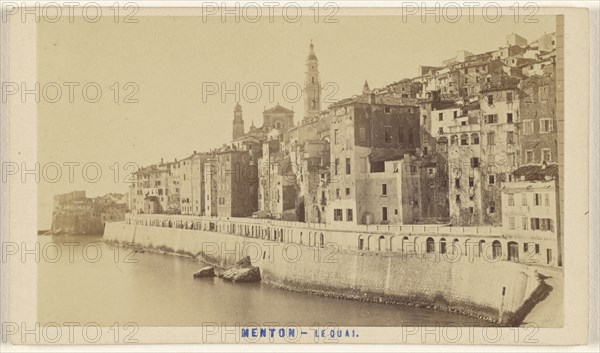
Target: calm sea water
[{"x": 90, "y": 281}]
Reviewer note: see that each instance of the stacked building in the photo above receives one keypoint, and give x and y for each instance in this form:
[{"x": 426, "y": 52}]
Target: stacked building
[{"x": 453, "y": 145}]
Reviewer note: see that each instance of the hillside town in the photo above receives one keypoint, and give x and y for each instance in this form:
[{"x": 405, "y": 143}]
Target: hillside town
[{"x": 472, "y": 142}]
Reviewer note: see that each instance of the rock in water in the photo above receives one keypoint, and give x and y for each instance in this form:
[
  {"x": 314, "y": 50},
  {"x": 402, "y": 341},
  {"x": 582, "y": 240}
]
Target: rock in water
[
  {"x": 251, "y": 274},
  {"x": 243, "y": 271},
  {"x": 207, "y": 271}
]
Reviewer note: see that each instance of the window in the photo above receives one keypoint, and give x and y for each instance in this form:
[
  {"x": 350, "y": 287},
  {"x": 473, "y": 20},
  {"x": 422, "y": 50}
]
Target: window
[
  {"x": 537, "y": 248},
  {"x": 348, "y": 166},
  {"x": 457, "y": 199},
  {"x": 546, "y": 155},
  {"x": 337, "y": 214},
  {"x": 511, "y": 199},
  {"x": 527, "y": 127},
  {"x": 511, "y": 222},
  {"x": 471, "y": 182},
  {"x": 349, "y": 214},
  {"x": 347, "y": 191},
  {"x": 490, "y": 139},
  {"x": 491, "y": 118},
  {"x": 337, "y": 166},
  {"x": 523, "y": 199},
  {"x": 383, "y": 189},
  {"x": 546, "y": 125},
  {"x": 474, "y": 162},
  {"x": 525, "y": 247},
  {"x": 475, "y": 139},
  {"x": 509, "y": 97},
  {"x": 537, "y": 199},
  {"x": 336, "y": 136},
  {"x": 492, "y": 208},
  {"x": 455, "y": 114},
  {"x": 524, "y": 223},
  {"x": 387, "y": 110},
  {"x": 509, "y": 118},
  {"x": 529, "y": 157},
  {"x": 492, "y": 179},
  {"x": 337, "y": 193},
  {"x": 441, "y": 117},
  {"x": 510, "y": 137},
  {"x": 464, "y": 139},
  {"x": 384, "y": 215},
  {"x": 490, "y": 99},
  {"x": 457, "y": 183},
  {"x": 388, "y": 134}
]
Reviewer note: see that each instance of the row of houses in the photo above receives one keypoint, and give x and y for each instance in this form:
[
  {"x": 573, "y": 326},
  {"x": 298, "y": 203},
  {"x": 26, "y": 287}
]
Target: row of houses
[{"x": 472, "y": 142}]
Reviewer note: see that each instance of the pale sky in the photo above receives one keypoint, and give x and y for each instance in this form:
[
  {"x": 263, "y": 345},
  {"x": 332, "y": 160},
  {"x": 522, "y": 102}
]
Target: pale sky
[{"x": 169, "y": 59}]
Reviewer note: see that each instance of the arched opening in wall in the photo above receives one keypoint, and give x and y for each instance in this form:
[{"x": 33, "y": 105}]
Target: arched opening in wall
[
  {"x": 430, "y": 245},
  {"x": 496, "y": 249},
  {"x": 361, "y": 242},
  {"x": 381, "y": 243},
  {"x": 455, "y": 247},
  {"x": 443, "y": 246},
  {"x": 453, "y": 140},
  {"x": 474, "y": 139},
  {"x": 513, "y": 251},
  {"x": 405, "y": 243},
  {"x": 464, "y": 140},
  {"x": 301, "y": 239},
  {"x": 170, "y": 224},
  {"x": 322, "y": 239},
  {"x": 481, "y": 252}
]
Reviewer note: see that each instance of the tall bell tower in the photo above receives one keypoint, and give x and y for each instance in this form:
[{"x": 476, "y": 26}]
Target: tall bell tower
[
  {"x": 312, "y": 86},
  {"x": 238, "y": 122}
]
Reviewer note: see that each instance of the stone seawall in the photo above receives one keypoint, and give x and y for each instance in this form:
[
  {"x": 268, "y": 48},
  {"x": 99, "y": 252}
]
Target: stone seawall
[{"x": 501, "y": 292}]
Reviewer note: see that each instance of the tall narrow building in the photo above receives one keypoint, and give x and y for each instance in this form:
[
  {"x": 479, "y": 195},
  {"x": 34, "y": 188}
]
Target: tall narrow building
[
  {"x": 312, "y": 86},
  {"x": 238, "y": 122}
]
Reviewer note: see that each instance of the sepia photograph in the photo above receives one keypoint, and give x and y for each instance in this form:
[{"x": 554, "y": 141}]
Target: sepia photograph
[{"x": 294, "y": 173}]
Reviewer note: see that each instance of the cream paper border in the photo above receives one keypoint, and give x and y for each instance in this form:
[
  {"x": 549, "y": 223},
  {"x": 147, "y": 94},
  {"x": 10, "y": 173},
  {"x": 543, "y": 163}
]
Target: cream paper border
[{"x": 21, "y": 211}]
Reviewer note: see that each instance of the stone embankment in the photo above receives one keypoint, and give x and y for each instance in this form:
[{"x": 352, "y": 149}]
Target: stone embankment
[{"x": 501, "y": 292}]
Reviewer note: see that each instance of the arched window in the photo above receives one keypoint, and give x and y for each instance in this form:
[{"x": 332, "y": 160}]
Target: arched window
[
  {"x": 496, "y": 249},
  {"x": 429, "y": 245},
  {"x": 405, "y": 244},
  {"x": 443, "y": 246},
  {"x": 481, "y": 248},
  {"x": 464, "y": 140},
  {"x": 322, "y": 239},
  {"x": 453, "y": 140},
  {"x": 381, "y": 243},
  {"x": 361, "y": 243},
  {"x": 474, "y": 139},
  {"x": 455, "y": 247}
]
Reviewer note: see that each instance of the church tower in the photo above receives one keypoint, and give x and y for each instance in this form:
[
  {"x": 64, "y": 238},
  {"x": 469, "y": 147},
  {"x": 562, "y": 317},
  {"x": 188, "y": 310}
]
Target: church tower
[
  {"x": 312, "y": 86},
  {"x": 238, "y": 122}
]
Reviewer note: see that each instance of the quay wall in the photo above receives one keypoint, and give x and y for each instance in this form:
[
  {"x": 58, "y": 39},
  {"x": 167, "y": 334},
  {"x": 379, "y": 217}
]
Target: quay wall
[{"x": 500, "y": 291}]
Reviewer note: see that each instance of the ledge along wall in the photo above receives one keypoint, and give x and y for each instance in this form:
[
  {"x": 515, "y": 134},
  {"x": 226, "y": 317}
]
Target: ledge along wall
[{"x": 502, "y": 292}]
